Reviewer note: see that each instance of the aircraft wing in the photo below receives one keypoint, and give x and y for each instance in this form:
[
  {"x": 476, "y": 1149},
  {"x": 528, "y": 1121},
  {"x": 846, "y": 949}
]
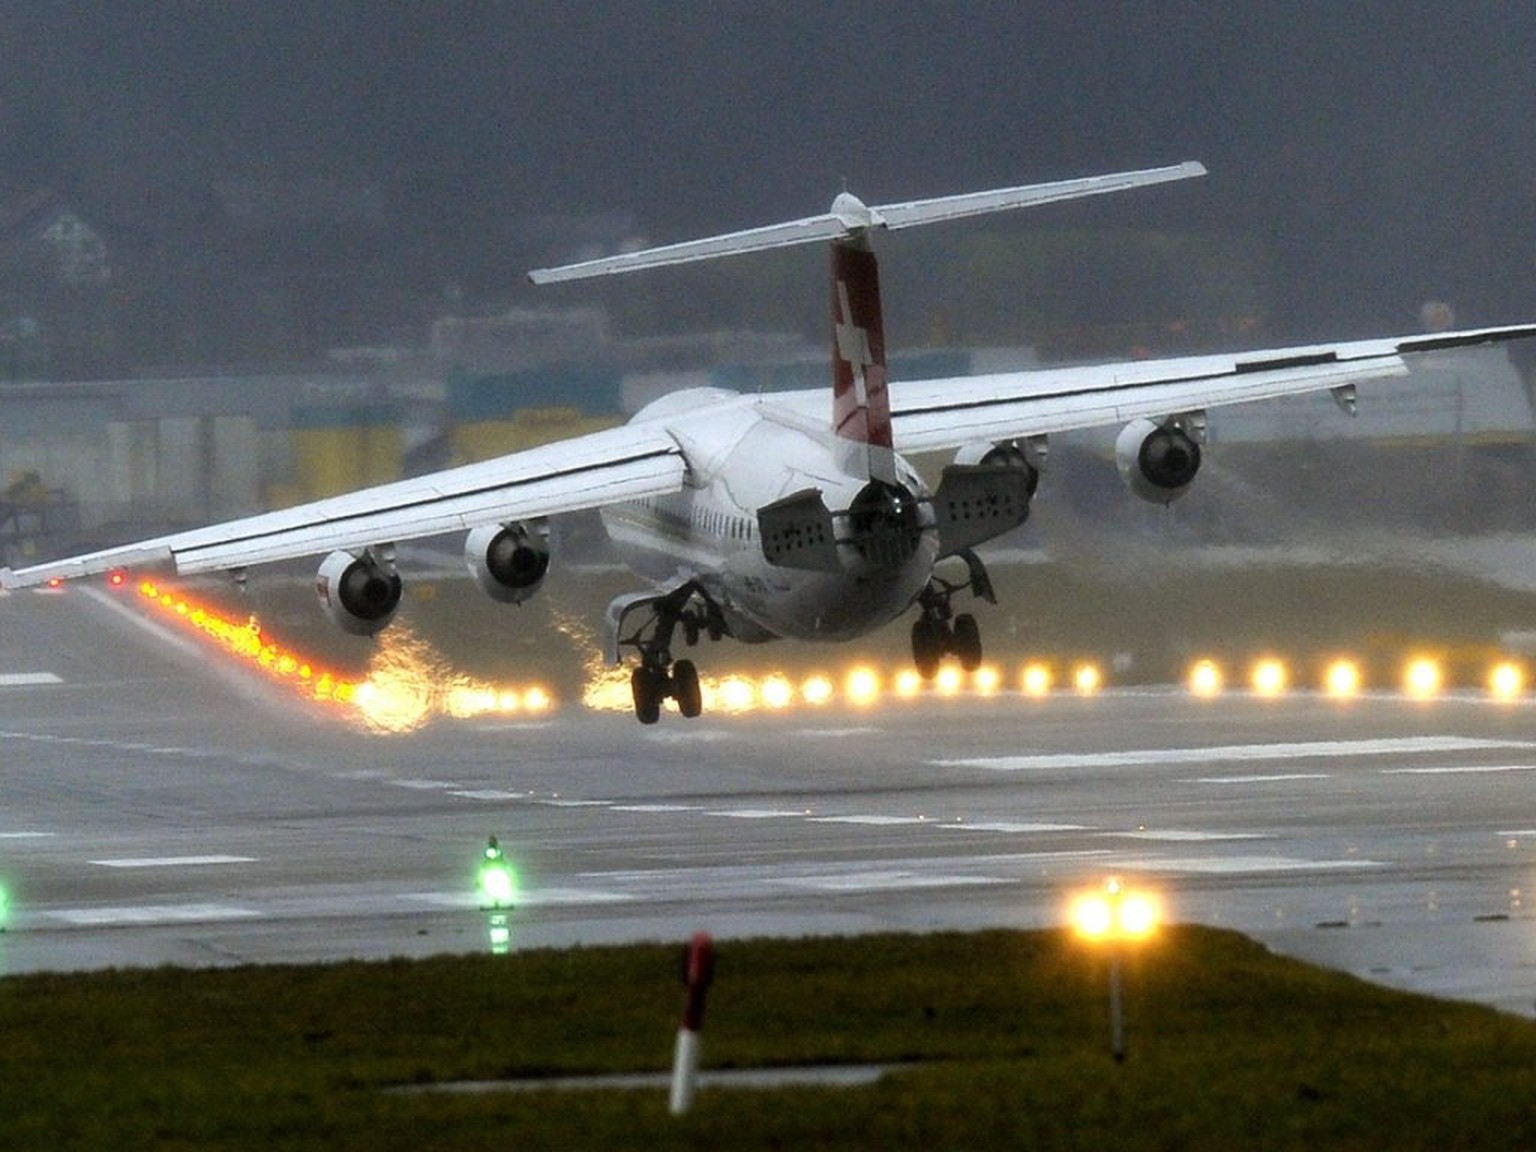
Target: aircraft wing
[
  {"x": 626, "y": 463},
  {"x": 931, "y": 415}
]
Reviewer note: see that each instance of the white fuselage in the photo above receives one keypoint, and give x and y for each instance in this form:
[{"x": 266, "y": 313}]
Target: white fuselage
[{"x": 744, "y": 454}]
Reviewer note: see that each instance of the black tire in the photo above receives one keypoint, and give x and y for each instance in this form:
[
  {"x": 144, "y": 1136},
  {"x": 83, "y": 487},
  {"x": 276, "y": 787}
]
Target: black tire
[
  {"x": 685, "y": 685},
  {"x": 927, "y": 646},
  {"x": 645, "y": 686},
  {"x": 968, "y": 642}
]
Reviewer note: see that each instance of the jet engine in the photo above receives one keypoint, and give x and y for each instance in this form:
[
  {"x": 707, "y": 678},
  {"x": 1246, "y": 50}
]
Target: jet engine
[
  {"x": 1158, "y": 462},
  {"x": 1027, "y": 456},
  {"x": 509, "y": 561},
  {"x": 358, "y": 592},
  {"x": 885, "y": 524}
]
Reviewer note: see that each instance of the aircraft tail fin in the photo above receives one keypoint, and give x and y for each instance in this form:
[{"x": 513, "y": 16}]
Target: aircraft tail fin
[{"x": 861, "y": 409}]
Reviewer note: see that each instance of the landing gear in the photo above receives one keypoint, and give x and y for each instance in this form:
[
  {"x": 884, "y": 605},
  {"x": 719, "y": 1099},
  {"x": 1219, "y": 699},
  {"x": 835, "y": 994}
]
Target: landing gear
[
  {"x": 658, "y": 677},
  {"x": 938, "y": 632}
]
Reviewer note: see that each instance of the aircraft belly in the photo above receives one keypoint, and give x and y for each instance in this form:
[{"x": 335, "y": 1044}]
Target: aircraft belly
[{"x": 802, "y": 605}]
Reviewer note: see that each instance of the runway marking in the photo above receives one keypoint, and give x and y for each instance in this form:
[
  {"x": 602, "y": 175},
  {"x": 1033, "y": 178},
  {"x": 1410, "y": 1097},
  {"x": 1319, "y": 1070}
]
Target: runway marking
[
  {"x": 1238, "y": 865},
  {"x": 489, "y": 794},
  {"x": 888, "y": 881},
  {"x": 1231, "y": 752},
  {"x": 528, "y": 898},
  {"x": 1011, "y": 826},
  {"x": 28, "y": 679},
  {"x": 1275, "y": 778},
  {"x": 26, "y": 835},
  {"x": 556, "y": 803},
  {"x": 654, "y": 808},
  {"x": 113, "y": 745},
  {"x": 1464, "y": 770},
  {"x": 425, "y": 785},
  {"x": 760, "y": 813},
  {"x": 1174, "y": 835},
  {"x": 871, "y": 820},
  {"x": 153, "y": 914},
  {"x": 172, "y": 861}
]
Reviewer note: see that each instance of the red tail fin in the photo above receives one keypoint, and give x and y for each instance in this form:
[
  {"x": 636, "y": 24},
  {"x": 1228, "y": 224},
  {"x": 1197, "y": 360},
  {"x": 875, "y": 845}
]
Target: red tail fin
[{"x": 861, "y": 408}]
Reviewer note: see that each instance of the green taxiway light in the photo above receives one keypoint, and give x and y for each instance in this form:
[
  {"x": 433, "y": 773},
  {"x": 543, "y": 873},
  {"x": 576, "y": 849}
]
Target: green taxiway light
[{"x": 498, "y": 883}]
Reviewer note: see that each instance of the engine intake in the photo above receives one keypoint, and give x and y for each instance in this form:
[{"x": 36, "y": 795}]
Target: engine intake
[
  {"x": 1158, "y": 462},
  {"x": 358, "y": 593},
  {"x": 509, "y": 561}
]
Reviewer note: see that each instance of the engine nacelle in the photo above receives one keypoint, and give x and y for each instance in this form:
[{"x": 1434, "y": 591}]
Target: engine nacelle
[
  {"x": 1158, "y": 462},
  {"x": 1028, "y": 456},
  {"x": 509, "y": 561},
  {"x": 358, "y": 593}
]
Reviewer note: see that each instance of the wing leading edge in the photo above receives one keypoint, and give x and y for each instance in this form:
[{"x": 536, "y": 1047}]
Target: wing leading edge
[{"x": 625, "y": 463}]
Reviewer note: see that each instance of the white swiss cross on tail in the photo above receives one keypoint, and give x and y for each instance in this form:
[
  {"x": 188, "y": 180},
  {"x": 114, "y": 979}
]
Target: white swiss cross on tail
[{"x": 861, "y": 409}]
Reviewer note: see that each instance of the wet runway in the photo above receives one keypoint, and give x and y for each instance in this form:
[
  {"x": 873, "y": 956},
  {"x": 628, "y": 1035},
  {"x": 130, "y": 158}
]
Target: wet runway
[{"x": 161, "y": 805}]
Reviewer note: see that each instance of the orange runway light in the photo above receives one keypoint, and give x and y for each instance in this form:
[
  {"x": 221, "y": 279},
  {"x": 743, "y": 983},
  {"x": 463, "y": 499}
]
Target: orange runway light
[
  {"x": 735, "y": 694},
  {"x": 986, "y": 681},
  {"x": 1342, "y": 679},
  {"x": 1087, "y": 679},
  {"x": 1269, "y": 678},
  {"x": 1506, "y": 681},
  {"x": 1422, "y": 678},
  {"x": 1036, "y": 679},
  {"x": 776, "y": 692},
  {"x": 816, "y": 690},
  {"x": 1205, "y": 678},
  {"x": 862, "y": 686}
]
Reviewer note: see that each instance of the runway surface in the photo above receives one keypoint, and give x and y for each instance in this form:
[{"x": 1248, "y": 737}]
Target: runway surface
[{"x": 161, "y": 805}]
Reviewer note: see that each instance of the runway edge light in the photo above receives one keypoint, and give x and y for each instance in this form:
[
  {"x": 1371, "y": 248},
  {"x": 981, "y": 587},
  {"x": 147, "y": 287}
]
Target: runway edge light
[{"x": 1114, "y": 916}]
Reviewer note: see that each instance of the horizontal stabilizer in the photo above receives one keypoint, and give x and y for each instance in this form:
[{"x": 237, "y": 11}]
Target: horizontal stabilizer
[{"x": 849, "y": 217}]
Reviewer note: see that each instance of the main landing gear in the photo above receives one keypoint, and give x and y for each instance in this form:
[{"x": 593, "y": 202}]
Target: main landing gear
[
  {"x": 658, "y": 677},
  {"x": 937, "y": 632}
]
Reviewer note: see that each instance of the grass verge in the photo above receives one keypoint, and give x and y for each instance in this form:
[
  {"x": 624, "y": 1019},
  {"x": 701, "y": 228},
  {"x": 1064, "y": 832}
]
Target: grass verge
[{"x": 1007, "y": 1032}]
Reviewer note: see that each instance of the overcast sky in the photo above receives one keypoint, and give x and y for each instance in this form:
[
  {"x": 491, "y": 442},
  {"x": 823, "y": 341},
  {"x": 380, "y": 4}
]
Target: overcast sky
[{"x": 1385, "y": 148}]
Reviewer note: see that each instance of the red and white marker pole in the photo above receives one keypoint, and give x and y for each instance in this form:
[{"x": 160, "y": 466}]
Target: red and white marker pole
[{"x": 698, "y": 973}]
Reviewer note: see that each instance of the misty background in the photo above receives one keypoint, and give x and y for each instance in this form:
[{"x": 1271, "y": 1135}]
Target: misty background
[{"x": 264, "y": 183}]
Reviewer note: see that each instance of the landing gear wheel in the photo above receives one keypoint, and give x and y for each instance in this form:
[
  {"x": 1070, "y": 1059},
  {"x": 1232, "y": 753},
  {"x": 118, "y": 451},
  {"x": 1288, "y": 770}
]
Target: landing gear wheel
[
  {"x": 927, "y": 646},
  {"x": 968, "y": 642},
  {"x": 685, "y": 685},
  {"x": 648, "y": 688}
]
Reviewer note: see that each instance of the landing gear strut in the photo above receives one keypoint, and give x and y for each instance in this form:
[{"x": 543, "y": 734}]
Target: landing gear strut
[
  {"x": 937, "y": 632},
  {"x": 658, "y": 677}
]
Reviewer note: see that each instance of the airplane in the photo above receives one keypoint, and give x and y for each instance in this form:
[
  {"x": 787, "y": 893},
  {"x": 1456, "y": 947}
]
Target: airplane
[{"x": 784, "y": 515}]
